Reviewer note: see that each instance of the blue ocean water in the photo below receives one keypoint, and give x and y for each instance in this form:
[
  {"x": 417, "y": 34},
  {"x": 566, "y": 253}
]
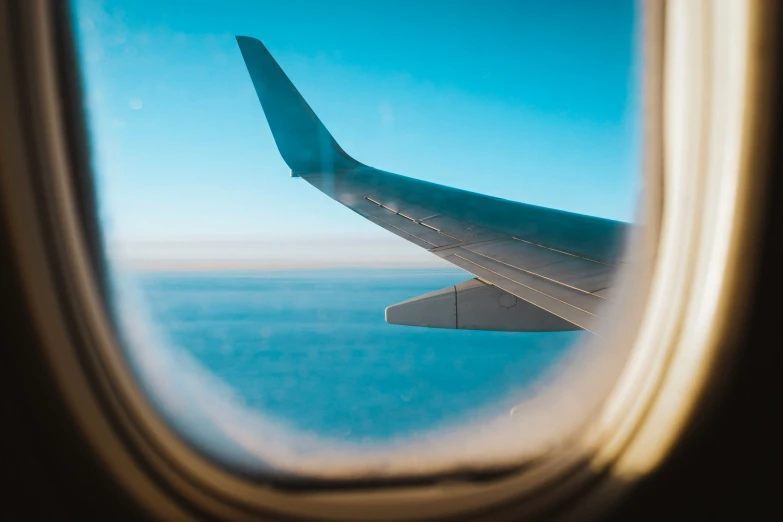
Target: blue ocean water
[{"x": 311, "y": 347}]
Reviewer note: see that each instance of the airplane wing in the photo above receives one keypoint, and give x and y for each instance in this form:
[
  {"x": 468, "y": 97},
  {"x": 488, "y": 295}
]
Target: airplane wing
[{"x": 536, "y": 268}]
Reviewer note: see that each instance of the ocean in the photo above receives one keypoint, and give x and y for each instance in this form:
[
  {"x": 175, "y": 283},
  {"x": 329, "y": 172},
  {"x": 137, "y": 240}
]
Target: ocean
[{"x": 312, "y": 348}]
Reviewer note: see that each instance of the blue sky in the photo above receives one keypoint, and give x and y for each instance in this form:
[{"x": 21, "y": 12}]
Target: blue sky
[{"x": 534, "y": 101}]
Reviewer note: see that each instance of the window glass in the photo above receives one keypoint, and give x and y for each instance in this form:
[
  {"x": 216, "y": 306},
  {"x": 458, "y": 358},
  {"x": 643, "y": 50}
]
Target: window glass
[{"x": 251, "y": 304}]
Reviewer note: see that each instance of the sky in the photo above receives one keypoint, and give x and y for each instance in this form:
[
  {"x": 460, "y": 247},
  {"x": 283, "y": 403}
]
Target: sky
[{"x": 532, "y": 101}]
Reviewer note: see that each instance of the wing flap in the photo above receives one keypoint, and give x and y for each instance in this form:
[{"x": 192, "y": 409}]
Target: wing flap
[
  {"x": 571, "y": 296},
  {"x": 579, "y": 273},
  {"x": 582, "y": 274},
  {"x": 474, "y": 305},
  {"x": 525, "y": 256},
  {"x": 571, "y": 314}
]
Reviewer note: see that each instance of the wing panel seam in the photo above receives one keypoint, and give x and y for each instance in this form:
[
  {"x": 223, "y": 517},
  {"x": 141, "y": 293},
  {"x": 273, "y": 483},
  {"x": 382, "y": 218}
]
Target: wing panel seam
[
  {"x": 561, "y": 251},
  {"x": 537, "y": 275},
  {"x": 528, "y": 287},
  {"x": 529, "y": 301}
]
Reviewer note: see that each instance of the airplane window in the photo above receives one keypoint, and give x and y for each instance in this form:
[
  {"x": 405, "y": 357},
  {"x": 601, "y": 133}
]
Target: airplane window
[{"x": 351, "y": 238}]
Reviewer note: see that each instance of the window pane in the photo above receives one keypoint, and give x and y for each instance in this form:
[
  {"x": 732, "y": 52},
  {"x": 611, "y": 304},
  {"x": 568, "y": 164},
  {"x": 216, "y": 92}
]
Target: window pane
[{"x": 251, "y": 303}]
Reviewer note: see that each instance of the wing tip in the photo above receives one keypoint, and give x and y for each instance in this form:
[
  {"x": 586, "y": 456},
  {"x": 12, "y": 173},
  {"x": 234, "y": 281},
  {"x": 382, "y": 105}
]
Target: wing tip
[
  {"x": 242, "y": 38},
  {"x": 302, "y": 139},
  {"x": 246, "y": 42}
]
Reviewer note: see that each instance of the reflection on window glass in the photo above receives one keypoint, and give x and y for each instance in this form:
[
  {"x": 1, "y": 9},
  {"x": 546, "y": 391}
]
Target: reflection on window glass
[{"x": 268, "y": 282}]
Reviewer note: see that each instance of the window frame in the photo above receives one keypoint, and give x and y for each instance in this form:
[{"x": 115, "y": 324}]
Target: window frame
[{"x": 49, "y": 209}]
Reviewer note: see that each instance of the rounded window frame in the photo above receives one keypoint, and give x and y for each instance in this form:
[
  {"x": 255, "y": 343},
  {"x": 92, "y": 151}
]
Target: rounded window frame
[{"x": 670, "y": 369}]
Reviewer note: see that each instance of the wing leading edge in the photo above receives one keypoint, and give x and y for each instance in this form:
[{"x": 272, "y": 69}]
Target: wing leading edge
[{"x": 557, "y": 267}]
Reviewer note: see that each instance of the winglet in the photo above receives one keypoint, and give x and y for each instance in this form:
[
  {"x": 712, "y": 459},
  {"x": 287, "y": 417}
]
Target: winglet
[{"x": 303, "y": 141}]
